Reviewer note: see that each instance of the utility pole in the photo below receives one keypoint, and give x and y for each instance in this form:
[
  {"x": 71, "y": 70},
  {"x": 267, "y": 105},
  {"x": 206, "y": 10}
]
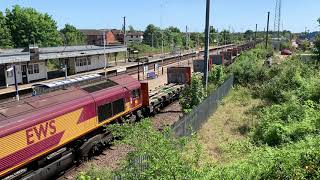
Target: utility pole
[
  {"x": 255, "y": 34},
  {"x": 125, "y": 36},
  {"x": 187, "y": 43},
  {"x": 206, "y": 50},
  {"x": 162, "y": 55},
  {"x": 267, "y": 30}
]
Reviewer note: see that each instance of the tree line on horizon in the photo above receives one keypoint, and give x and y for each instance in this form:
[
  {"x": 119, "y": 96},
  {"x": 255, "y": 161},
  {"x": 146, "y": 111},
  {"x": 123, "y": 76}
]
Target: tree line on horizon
[{"x": 21, "y": 27}]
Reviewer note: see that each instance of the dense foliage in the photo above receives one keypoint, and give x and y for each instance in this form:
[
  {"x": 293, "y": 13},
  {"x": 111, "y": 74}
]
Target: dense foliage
[
  {"x": 193, "y": 94},
  {"x": 217, "y": 75},
  {"x": 317, "y": 45},
  {"x": 160, "y": 153},
  {"x": 5, "y": 37},
  {"x": 249, "y": 69},
  {"x": 27, "y": 26},
  {"x": 20, "y": 27},
  {"x": 72, "y": 36}
]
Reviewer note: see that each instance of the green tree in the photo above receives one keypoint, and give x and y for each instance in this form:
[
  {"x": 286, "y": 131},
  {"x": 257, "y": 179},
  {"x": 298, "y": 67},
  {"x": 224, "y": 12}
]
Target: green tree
[
  {"x": 194, "y": 94},
  {"x": 249, "y": 35},
  {"x": 317, "y": 44},
  {"x": 72, "y": 35},
  {"x": 152, "y": 36},
  {"x": 174, "y": 37},
  {"x": 131, "y": 29},
  {"x": 27, "y": 26},
  {"x": 5, "y": 36}
]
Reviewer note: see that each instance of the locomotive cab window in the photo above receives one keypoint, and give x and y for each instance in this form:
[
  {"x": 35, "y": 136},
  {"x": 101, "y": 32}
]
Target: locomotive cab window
[
  {"x": 106, "y": 111},
  {"x": 136, "y": 93},
  {"x": 118, "y": 106}
]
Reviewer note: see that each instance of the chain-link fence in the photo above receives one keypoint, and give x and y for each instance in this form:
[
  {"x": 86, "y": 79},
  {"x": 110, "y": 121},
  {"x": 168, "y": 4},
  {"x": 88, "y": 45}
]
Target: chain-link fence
[{"x": 193, "y": 121}]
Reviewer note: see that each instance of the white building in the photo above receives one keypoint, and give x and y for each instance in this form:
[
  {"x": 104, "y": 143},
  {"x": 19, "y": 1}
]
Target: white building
[
  {"x": 31, "y": 63},
  {"x": 134, "y": 37}
]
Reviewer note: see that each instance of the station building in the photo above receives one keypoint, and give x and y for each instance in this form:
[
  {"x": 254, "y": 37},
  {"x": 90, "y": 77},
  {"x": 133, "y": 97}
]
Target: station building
[{"x": 32, "y": 63}]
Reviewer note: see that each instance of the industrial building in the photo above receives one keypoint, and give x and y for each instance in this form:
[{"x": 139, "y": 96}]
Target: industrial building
[{"x": 32, "y": 63}]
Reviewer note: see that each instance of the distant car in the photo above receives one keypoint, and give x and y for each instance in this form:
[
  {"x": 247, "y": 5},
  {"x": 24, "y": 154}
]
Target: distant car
[{"x": 286, "y": 52}]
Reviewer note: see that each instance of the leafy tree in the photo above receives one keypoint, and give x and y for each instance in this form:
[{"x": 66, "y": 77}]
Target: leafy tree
[
  {"x": 152, "y": 36},
  {"x": 224, "y": 37},
  {"x": 194, "y": 94},
  {"x": 317, "y": 45},
  {"x": 304, "y": 45},
  {"x": 27, "y": 26},
  {"x": 249, "y": 35},
  {"x": 217, "y": 75},
  {"x": 5, "y": 36},
  {"x": 72, "y": 35},
  {"x": 131, "y": 29}
]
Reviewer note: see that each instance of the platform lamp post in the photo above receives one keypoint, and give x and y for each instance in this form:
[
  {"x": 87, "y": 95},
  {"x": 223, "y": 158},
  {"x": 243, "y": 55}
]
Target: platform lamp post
[{"x": 13, "y": 68}]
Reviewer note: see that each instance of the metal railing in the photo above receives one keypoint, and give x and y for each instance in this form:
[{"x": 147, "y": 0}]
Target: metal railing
[{"x": 193, "y": 121}]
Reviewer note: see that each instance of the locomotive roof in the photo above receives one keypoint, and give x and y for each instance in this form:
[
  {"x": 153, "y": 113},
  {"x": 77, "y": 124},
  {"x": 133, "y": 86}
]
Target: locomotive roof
[{"x": 9, "y": 111}]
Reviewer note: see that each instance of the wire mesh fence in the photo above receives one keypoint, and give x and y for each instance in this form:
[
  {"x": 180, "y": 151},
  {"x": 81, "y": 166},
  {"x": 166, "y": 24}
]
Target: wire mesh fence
[
  {"x": 193, "y": 121},
  {"x": 188, "y": 123}
]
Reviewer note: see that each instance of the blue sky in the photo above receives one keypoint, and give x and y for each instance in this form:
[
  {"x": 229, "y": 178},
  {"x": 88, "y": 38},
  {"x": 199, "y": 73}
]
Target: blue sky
[{"x": 238, "y": 15}]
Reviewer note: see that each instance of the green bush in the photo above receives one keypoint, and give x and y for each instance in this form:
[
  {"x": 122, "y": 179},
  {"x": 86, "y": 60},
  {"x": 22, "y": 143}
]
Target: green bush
[
  {"x": 194, "y": 94},
  {"x": 217, "y": 75},
  {"x": 248, "y": 68},
  {"x": 294, "y": 78},
  {"x": 163, "y": 157},
  {"x": 287, "y": 122},
  {"x": 293, "y": 161}
]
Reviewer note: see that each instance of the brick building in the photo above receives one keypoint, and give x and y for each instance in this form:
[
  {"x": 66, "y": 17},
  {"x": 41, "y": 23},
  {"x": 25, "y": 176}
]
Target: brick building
[{"x": 95, "y": 36}]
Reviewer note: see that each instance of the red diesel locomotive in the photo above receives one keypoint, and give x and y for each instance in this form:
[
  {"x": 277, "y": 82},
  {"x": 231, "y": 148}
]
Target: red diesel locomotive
[{"x": 42, "y": 135}]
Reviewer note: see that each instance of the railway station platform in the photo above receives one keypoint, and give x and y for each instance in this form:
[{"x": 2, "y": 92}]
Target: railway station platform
[{"x": 121, "y": 65}]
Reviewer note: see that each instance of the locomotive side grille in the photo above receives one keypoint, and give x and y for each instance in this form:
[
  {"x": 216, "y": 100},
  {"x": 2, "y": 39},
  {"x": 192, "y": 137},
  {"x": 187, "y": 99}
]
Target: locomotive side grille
[{"x": 99, "y": 86}]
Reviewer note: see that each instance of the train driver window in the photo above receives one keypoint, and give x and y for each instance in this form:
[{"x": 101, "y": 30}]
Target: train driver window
[
  {"x": 118, "y": 106},
  {"x": 136, "y": 93},
  {"x": 104, "y": 112}
]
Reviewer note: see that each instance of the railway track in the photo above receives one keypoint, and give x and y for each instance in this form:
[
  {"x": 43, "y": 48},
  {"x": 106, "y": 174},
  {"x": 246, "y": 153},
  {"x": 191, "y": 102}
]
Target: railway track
[
  {"x": 144, "y": 104},
  {"x": 25, "y": 93}
]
